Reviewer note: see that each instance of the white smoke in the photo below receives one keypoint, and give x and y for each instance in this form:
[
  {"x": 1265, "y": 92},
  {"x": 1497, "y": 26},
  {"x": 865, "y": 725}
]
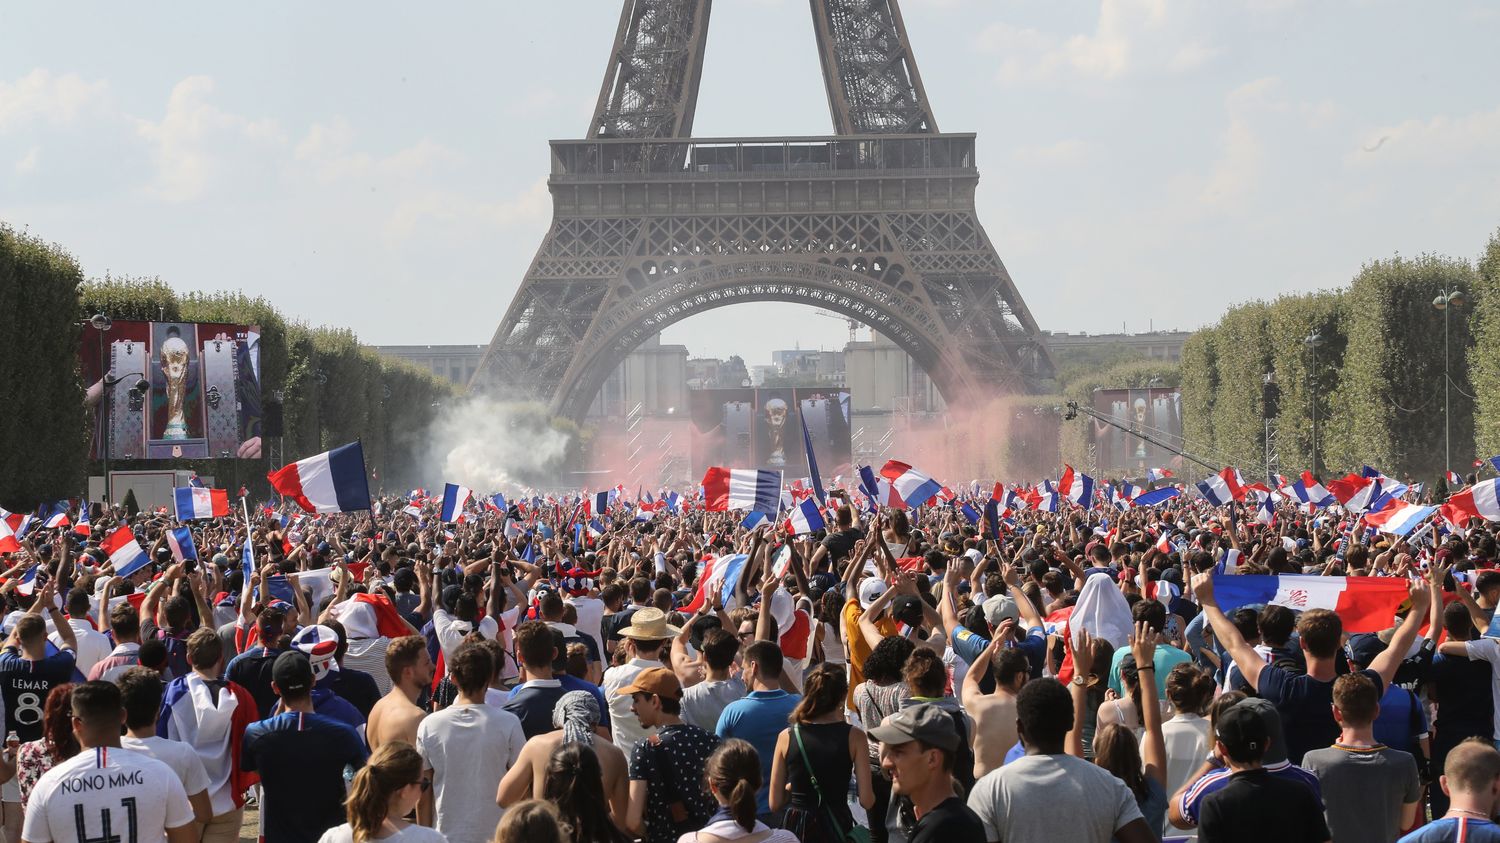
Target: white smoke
[{"x": 487, "y": 445}]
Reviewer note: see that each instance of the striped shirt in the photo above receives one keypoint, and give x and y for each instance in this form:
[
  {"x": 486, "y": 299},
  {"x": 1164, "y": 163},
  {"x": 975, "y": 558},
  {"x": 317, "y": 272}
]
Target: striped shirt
[{"x": 1192, "y": 798}]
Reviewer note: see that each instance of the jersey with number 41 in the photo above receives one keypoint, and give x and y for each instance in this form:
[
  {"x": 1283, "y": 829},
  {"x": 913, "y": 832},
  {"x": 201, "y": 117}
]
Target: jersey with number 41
[
  {"x": 24, "y": 685},
  {"x": 106, "y": 795}
]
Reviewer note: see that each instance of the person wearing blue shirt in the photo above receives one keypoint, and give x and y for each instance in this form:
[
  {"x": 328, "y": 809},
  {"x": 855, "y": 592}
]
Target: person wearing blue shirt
[
  {"x": 1471, "y": 779},
  {"x": 761, "y": 716}
]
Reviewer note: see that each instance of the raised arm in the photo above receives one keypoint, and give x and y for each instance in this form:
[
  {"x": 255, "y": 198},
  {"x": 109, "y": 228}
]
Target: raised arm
[
  {"x": 1250, "y": 663},
  {"x": 1391, "y": 657},
  {"x": 1153, "y": 745}
]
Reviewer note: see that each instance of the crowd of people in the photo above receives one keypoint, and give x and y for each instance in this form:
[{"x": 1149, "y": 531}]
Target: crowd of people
[{"x": 902, "y": 676}]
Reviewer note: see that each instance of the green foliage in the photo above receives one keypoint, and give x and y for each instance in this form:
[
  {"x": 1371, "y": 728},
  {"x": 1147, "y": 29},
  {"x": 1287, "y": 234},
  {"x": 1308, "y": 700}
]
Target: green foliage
[
  {"x": 1200, "y": 386},
  {"x": 43, "y": 431},
  {"x": 1307, "y": 376},
  {"x": 129, "y": 298},
  {"x": 1484, "y": 357},
  {"x": 1389, "y": 402},
  {"x": 1244, "y": 358},
  {"x": 1075, "y": 363}
]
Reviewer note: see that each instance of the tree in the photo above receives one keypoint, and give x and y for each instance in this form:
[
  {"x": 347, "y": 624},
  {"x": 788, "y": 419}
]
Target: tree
[{"x": 1484, "y": 358}]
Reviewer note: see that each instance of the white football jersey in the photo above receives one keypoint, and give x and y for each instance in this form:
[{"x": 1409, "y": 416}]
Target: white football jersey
[{"x": 106, "y": 794}]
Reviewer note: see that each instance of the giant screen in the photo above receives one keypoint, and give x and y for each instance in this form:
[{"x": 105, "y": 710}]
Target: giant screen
[
  {"x": 1157, "y": 412},
  {"x": 762, "y": 428},
  {"x": 173, "y": 390}
]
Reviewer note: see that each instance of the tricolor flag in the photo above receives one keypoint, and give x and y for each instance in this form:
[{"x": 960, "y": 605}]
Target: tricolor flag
[
  {"x": 878, "y": 490},
  {"x": 53, "y": 514},
  {"x": 672, "y": 500},
  {"x": 198, "y": 502},
  {"x": 1265, "y": 511},
  {"x": 1398, "y": 517},
  {"x": 416, "y": 494},
  {"x": 741, "y": 488},
  {"x": 1156, "y": 497},
  {"x": 1364, "y": 604},
  {"x": 1454, "y": 479},
  {"x": 124, "y": 552},
  {"x": 1311, "y": 493},
  {"x": 969, "y": 513},
  {"x": 1495, "y": 464},
  {"x": 914, "y": 487},
  {"x": 805, "y": 518},
  {"x": 1356, "y": 492},
  {"x": 1076, "y": 487},
  {"x": 496, "y": 503},
  {"x": 83, "y": 527},
  {"x": 1482, "y": 500},
  {"x": 8, "y": 541},
  {"x": 725, "y": 573},
  {"x": 992, "y": 519},
  {"x": 1164, "y": 541},
  {"x": 1229, "y": 562},
  {"x": 455, "y": 498},
  {"x": 333, "y": 481},
  {"x": 1222, "y": 488},
  {"x": 1278, "y": 481},
  {"x": 1155, "y": 474},
  {"x": 600, "y": 502},
  {"x": 180, "y": 540},
  {"x": 755, "y": 519}
]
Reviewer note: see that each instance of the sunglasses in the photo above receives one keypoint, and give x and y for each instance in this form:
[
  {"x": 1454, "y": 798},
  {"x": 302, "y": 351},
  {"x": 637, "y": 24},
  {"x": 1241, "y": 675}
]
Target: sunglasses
[{"x": 425, "y": 784}]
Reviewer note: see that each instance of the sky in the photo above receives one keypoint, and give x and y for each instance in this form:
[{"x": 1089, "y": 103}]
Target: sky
[{"x": 382, "y": 166}]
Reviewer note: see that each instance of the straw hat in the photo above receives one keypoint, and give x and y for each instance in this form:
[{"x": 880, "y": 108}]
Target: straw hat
[{"x": 649, "y": 624}]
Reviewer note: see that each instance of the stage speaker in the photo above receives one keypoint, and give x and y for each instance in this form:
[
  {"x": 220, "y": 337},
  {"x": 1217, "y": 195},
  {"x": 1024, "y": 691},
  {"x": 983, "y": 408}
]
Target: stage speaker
[{"x": 271, "y": 420}]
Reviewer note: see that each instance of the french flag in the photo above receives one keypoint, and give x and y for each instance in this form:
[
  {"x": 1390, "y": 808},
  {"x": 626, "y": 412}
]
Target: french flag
[
  {"x": 1076, "y": 487},
  {"x": 455, "y": 498},
  {"x": 83, "y": 527},
  {"x": 334, "y": 481},
  {"x": 1364, "y": 604},
  {"x": 672, "y": 500},
  {"x": 1156, "y": 497},
  {"x": 1398, "y": 517},
  {"x": 914, "y": 487},
  {"x": 197, "y": 502},
  {"x": 1014, "y": 502},
  {"x": 1356, "y": 492},
  {"x": 1156, "y": 474},
  {"x": 180, "y": 540},
  {"x": 8, "y": 541},
  {"x": 26, "y": 585},
  {"x": 53, "y": 514},
  {"x": 878, "y": 490},
  {"x": 1265, "y": 511},
  {"x": 970, "y": 514},
  {"x": 741, "y": 488},
  {"x": 805, "y": 518},
  {"x": 1482, "y": 500},
  {"x": 1312, "y": 493},
  {"x": 1454, "y": 480},
  {"x": 1164, "y": 541},
  {"x": 1222, "y": 488},
  {"x": 600, "y": 502},
  {"x": 124, "y": 552},
  {"x": 755, "y": 519},
  {"x": 496, "y": 503}
]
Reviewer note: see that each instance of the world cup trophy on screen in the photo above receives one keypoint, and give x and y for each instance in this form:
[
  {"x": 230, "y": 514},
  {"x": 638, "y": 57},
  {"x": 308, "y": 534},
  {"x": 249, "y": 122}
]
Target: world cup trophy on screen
[
  {"x": 174, "y": 369},
  {"x": 776, "y": 430}
]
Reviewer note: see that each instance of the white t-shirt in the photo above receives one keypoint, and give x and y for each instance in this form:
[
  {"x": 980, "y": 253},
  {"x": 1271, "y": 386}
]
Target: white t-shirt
[
  {"x": 451, "y": 631},
  {"x": 183, "y": 759},
  {"x": 469, "y": 748},
  {"x": 93, "y": 645},
  {"x": 411, "y": 834},
  {"x": 117, "y": 793},
  {"x": 625, "y": 727},
  {"x": 1043, "y": 797},
  {"x": 1489, "y": 650},
  {"x": 590, "y": 619}
]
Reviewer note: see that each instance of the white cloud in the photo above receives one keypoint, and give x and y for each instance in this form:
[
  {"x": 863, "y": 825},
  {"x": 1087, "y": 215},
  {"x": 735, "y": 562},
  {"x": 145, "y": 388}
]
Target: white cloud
[
  {"x": 41, "y": 96},
  {"x": 1065, "y": 151},
  {"x": 449, "y": 209},
  {"x": 328, "y": 148},
  {"x": 1128, "y": 36},
  {"x": 1440, "y": 139},
  {"x": 189, "y": 143}
]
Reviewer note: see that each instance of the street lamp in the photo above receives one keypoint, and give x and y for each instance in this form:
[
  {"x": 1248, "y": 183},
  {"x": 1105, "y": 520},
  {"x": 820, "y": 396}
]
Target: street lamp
[
  {"x": 102, "y": 324},
  {"x": 1446, "y": 302},
  {"x": 1312, "y": 341}
]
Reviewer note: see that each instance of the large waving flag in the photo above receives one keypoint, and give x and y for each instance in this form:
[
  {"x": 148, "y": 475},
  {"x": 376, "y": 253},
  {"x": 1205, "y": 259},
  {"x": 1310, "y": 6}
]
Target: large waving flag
[
  {"x": 53, "y": 514},
  {"x": 83, "y": 527},
  {"x": 1364, "y": 604},
  {"x": 198, "y": 502},
  {"x": 1076, "y": 487},
  {"x": 333, "y": 481},
  {"x": 1312, "y": 493},
  {"x": 455, "y": 498},
  {"x": 1219, "y": 489},
  {"x": 914, "y": 487},
  {"x": 1156, "y": 497},
  {"x": 741, "y": 488},
  {"x": 812, "y": 462},
  {"x": 124, "y": 552},
  {"x": 1155, "y": 474},
  {"x": 878, "y": 490},
  {"x": 180, "y": 540},
  {"x": 1399, "y": 517},
  {"x": 755, "y": 519},
  {"x": 8, "y": 541},
  {"x": 805, "y": 518},
  {"x": 1482, "y": 500}
]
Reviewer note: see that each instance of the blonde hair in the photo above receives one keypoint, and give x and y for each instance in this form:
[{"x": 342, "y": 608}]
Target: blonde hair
[
  {"x": 531, "y": 821},
  {"x": 393, "y": 766}
]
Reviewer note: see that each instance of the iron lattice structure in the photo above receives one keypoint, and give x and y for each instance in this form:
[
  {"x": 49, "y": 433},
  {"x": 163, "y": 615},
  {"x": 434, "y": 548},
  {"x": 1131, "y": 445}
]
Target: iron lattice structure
[{"x": 651, "y": 226}]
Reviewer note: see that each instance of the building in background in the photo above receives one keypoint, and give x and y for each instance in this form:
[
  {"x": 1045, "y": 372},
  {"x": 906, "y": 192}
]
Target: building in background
[
  {"x": 454, "y": 362},
  {"x": 1153, "y": 345},
  {"x": 652, "y": 380}
]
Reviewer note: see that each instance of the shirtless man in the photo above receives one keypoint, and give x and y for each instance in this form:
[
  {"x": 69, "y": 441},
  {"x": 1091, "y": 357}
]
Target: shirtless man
[
  {"x": 577, "y": 718},
  {"x": 994, "y": 714},
  {"x": 396, "y": 716}
]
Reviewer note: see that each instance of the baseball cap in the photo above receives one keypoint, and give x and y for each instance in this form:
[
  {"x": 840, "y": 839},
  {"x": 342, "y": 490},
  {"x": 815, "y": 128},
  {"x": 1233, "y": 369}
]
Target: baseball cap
[
  {"x": 998, "y": 608},
  {"x": 1275, "y": 745},
  {"x": 923, "y": 722},
  {"x": 292, "y": 673},
  {"x": 1243, "y": 732},
  {"x": 655, "y": 680},
  {"x": 318, "y": 643},
  {"x": 1364, "y": 647},
  {"x": 907, "y": 608},
  {"x": 870, "y": 589}
]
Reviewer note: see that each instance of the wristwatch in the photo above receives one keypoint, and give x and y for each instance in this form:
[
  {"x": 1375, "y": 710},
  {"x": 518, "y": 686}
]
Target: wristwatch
[{"x": 1079, "y": 681}]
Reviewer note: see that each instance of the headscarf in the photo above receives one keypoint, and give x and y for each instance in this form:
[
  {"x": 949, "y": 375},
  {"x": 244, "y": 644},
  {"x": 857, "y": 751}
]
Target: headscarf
[{"x": 576, "y": 713}]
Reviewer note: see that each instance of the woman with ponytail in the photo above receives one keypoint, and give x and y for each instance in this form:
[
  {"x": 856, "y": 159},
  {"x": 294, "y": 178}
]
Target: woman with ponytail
[
  {"x": 575, "y": 785},
  {"x": 813, "y": 760},
  {"x": 1190, "y": 689},
  {"x": 386, "y": 789},
  {"x": 733, "y": 777}
]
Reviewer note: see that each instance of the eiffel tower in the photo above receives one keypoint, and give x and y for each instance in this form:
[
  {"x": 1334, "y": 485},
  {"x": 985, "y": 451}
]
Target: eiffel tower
[{"x": 651, "y": 225}]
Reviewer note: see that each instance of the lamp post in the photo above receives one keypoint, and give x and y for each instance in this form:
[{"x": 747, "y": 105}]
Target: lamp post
[
  {"x": 1312, "y": 341},
  {"x": 102, "y": 324},
  {"x": 1446, "y": 302}
]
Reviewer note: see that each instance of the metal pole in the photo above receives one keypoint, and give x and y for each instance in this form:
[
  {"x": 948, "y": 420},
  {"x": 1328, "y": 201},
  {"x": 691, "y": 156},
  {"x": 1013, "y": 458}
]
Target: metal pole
[
  {"x": 1313, "y": 390},
  {"x": 104, "y": 410},
  {"x": 1447, "y": 448}
]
